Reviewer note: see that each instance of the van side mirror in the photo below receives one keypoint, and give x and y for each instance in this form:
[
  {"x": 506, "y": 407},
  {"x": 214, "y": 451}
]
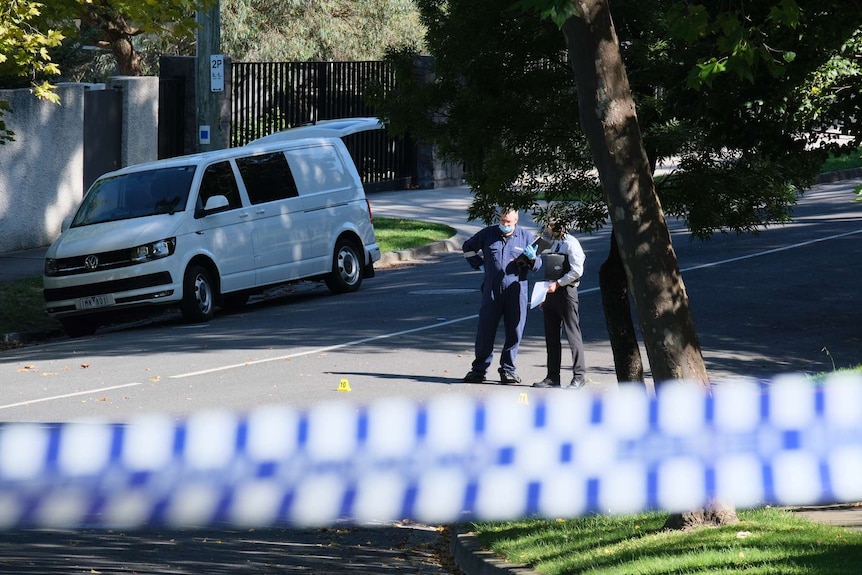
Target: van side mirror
[
  {"x": 67, "y": 221},
  {"x": 216, "y": 203}
]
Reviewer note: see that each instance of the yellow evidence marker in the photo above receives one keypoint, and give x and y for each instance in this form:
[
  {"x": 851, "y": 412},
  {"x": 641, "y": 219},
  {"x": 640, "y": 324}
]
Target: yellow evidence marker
[{"x": 343, "y": 385}]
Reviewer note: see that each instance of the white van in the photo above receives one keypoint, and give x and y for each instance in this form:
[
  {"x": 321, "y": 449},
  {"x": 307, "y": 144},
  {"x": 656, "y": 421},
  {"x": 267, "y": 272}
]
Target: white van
[{"x": 210, "y": 229}]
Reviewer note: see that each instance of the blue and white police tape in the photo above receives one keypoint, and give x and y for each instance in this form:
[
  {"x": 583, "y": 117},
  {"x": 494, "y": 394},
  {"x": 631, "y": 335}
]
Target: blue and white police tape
[{"x": 561, "y": 454}]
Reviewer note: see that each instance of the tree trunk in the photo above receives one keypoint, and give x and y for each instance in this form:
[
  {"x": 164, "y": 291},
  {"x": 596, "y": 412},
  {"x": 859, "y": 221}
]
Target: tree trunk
[
  {"x": 608, "y": 118},
  {"x": 713, "y": 515},
  {"x": 128, "y": 59},
  {"x": 115, "y": 33},
  {"x": 618, "y": 318}
]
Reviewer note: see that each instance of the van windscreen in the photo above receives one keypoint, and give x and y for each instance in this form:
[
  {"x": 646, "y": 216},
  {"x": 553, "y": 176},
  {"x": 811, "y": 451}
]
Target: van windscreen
[{"x": 136, "y": 195}]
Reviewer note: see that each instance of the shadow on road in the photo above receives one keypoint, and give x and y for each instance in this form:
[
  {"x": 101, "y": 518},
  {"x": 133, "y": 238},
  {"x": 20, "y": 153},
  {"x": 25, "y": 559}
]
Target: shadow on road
[{"x": 363, "y": 550}]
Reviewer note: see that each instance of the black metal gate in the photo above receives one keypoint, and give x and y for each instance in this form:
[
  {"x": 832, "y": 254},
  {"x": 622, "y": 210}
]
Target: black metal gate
[
  {"x": 272, "y": 96},
  {"x": 172, "y": 118},
  {"x": 102, "y": 133}
]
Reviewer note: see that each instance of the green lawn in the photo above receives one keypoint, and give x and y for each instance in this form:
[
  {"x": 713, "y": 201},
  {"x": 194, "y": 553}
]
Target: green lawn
[
  {"x": 847, "y": 162},
  {"x": 398, "y": 234},
  {"x": 766, "y": 542},
  {"x": 22, "y": 308}
]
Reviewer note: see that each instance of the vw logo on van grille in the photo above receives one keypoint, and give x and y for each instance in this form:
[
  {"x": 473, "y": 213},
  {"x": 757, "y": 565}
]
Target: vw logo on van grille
[{"x": 92, "y": 262}]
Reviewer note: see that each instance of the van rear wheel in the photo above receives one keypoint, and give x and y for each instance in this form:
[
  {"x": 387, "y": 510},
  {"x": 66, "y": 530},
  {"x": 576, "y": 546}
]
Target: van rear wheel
[
  {"x": 347, "y": 268},
  {"x": 198, "y": 302}
]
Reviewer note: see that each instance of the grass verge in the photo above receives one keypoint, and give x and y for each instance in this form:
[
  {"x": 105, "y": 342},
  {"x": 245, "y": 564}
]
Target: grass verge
[
  {"x": 22, "y": 309},
  {"x": 766, "y": 541},
  {"x": 394, "y": 234},
  {"x": 845, "y": 162}
]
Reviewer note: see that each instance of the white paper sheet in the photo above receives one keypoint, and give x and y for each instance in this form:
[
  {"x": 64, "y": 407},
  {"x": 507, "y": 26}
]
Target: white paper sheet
[{"x": 540, "y": 290}]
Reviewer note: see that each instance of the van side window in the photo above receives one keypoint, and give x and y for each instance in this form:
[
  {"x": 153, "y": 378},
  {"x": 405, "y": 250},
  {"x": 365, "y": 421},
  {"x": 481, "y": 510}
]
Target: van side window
[
  {"x": 218, "y": 180},
  {"x": 318, "y": 169},
  {"x": 267, "y": 177}
]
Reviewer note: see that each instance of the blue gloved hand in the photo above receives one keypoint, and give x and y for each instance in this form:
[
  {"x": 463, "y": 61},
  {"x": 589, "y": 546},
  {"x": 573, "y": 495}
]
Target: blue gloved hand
[{"x": 530, "y": 252}]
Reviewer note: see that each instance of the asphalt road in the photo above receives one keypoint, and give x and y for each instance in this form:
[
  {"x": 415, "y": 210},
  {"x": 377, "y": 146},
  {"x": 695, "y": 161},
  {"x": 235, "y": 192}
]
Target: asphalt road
[{"x": 783, "y": 301}]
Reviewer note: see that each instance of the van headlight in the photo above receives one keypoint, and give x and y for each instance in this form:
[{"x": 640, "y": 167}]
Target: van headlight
[{"x": 154, "y": 250}]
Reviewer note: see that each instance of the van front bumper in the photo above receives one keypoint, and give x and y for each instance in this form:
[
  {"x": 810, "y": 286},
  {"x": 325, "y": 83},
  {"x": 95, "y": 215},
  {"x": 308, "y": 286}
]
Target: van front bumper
[{"x": 154, "y": 288}]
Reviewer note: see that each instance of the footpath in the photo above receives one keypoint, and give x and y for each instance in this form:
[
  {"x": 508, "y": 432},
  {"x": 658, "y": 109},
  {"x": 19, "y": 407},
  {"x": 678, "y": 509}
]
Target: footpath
[{"x": 447, "y": 206}]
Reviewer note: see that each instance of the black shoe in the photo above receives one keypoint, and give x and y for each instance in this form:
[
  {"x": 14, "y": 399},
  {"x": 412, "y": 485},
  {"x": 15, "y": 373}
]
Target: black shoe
[
  {"x": 508, "y": 376},
  {"x": 577, "y": 382},
  {"x": 547, "y": 382},
  {"x": 474, "y": 377}
]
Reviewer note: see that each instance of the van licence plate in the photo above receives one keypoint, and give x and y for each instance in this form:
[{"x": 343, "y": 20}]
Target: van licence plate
[{"x": 95, "y": 301}]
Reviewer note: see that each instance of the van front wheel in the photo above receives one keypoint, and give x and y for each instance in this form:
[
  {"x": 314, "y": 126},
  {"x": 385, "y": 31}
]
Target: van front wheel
[
  {"x": 347, "y": 266},
  {"x": 198, "y": 298}
]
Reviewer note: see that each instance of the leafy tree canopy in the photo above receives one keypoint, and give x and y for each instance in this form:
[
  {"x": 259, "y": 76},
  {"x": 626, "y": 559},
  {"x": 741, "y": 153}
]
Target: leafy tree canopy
[
  {"x": 37, "y": 36},
  {"x": 59, "y": 31},
  {"x": 748, "y": 96},
  {"x": 24, "y": 51},
  {"x": 115, "y": 24},
  {"x": 25, "y": 40},
  {"x": 298, "y": 30}
]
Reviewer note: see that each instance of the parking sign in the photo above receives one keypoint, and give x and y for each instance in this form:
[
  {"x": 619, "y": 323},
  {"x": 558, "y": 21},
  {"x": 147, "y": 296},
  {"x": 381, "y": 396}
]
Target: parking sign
[{"x": 217, "y": 73}]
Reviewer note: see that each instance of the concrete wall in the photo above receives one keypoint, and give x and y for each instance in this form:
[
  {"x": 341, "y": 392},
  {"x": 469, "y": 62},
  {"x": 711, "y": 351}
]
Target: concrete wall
[
  {"x": 140, "y": 133},
  {"x": 42, "y": 171}
]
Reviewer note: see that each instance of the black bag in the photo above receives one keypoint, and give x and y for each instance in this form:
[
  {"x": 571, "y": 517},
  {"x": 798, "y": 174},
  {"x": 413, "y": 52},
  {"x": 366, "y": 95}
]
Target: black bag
[{"x": 556, "y": 266}]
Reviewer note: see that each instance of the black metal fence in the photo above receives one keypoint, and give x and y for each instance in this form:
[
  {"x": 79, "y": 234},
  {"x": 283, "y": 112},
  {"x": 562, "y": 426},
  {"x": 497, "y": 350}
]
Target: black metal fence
[{"x": 272, "y": 96}]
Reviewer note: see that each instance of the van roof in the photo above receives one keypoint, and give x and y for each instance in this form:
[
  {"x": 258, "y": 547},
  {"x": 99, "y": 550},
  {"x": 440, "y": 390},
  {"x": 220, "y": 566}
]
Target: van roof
[{"x": 322, "y": 130}]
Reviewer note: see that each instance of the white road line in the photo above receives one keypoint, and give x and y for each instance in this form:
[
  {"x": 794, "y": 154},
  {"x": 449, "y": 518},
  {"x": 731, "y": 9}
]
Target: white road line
[
  {"x": 67, "y": 395},
  {"x": 772, "y": 251}
]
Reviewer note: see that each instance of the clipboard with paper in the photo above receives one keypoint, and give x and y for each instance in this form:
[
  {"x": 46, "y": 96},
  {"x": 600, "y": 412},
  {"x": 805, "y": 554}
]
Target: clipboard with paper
[{"x": 540, "y": 243}]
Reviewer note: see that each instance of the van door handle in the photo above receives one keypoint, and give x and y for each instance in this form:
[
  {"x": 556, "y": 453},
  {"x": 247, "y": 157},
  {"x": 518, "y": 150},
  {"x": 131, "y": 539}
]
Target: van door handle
[
  {"x": 261, "y": 211},
  {"x": 243, "y": 214}
]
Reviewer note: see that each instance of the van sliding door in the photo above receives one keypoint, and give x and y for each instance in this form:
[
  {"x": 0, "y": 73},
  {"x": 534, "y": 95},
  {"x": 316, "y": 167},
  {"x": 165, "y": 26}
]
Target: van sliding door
[{"x": 280, "y": 235}]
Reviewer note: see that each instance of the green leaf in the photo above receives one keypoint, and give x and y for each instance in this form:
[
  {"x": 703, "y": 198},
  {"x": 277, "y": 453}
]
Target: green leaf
[
  {"x": 787, "y": 12},
  {"x": 708, "y": 70},
  {"x": 558, "y": 11},
  {"x": 688, "y": 24}
]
